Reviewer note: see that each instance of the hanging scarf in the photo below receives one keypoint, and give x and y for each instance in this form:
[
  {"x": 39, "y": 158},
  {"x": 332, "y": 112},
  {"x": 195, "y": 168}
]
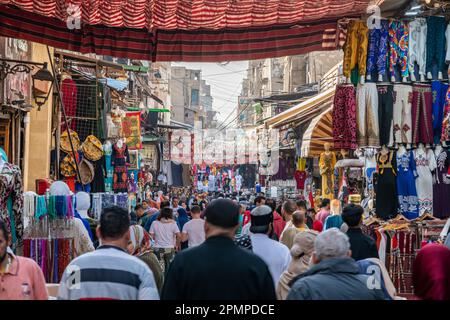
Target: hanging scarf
[
  {"x": 52, "y": 207},
  {"x": 41, "y": 207},
  {"x": 61, "y": 206},
  {"x": 70, "y": 207}
]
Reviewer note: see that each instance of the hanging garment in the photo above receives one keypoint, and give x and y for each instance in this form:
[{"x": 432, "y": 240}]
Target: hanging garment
[
  {"x": 385, "y": 113},
  {"x": 377, "y": 50},
  {"x": 445, "y": 134},
  {"x": 326, "y": 163},
  {"x": 177, "y": 175},
  {"x": 69, "y": 99},
  {"x": 107, "y": 148},
  {"x": 402, "y": 120},
  {"x": 439, "y": 91},
  {"x": 417, "y": 46},
  {"x": 300, "y": 178},
  {"x": 422, "y": 110},
  {"x": 187, "y": 181},
  {"x": 367, "y": 115},
  {"x": 398, "y": 44},
  {"x": 355, "y": 48},
  {"x": 98, "y": 184},
  {"x": 441, "y": 185},
  {"x": 406, "y": 185},
  {"x": 120, "y": 159},
  {"x": 370, "y": 166},
  {"x": 11, "y": 188},
  {"x": 436, "y": 28},
  {"x": 386, "y": 188},
  {"x": 425, "y": 165},
  {"x": 344, "y": 118},
  {"x": 301, "y": 164}
]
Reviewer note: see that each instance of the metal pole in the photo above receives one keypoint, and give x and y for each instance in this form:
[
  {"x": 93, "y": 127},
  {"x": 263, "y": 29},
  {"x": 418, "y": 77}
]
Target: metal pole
[{"x": 55, "y": 82}]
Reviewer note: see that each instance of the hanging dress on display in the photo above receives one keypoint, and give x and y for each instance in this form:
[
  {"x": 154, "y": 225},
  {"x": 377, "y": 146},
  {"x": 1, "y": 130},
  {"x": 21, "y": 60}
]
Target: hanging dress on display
[
  {"x": 406, "y": 185},
  {"x": 11, "y": 188},
  {"x": 386, "y": 188},
  {"x": 107, "y": 148},
  {"x": 120, "y": 158},
  {"x": 326, "y": 163},
  {"x": 425, "y": 165},
  {"x": 441, "y": 185}
]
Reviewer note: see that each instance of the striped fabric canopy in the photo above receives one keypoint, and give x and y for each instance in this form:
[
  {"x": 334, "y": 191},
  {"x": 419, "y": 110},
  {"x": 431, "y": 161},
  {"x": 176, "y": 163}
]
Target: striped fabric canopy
[
  {"x": 318, "y": 133},
  {"x": 181, "y": 30}
]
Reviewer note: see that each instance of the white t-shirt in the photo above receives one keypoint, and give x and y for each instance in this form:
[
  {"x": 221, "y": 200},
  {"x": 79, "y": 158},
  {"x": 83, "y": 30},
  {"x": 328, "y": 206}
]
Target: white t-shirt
[
  {"x": 195, "y": 229},
  {"x": 164, "y": 233},
  {"x": 275, "y": 254}
]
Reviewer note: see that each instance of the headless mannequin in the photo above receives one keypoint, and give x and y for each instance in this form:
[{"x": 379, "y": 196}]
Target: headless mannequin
[
  {"x": 401, "y": 150},
  {"x": 83, "y": 242},
  {"x": 83, "y": 203}
]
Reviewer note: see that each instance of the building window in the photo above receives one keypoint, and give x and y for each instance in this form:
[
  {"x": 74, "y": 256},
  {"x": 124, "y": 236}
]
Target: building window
[{"x": 194, "y": 97}]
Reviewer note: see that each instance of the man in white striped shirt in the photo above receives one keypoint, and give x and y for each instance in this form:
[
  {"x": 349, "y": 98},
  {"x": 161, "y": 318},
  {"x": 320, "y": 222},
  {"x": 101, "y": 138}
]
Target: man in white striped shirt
[{"x": 109, "y": 273}]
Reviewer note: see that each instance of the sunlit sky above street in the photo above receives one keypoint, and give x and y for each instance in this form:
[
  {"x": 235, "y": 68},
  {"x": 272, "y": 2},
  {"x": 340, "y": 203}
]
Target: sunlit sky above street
[{"x": 225, "y": 80}]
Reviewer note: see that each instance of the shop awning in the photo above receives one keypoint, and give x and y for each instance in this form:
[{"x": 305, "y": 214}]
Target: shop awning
[
  {"x": 317, "y": 134},
  {"x": 303, "y": 111},
  {"x": 178, "y": 30}
]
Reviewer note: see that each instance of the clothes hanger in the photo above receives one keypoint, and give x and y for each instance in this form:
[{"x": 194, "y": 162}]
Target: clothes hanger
[
  {"x": 425, "y": 216},
  {"x": 400, "y": 217}
]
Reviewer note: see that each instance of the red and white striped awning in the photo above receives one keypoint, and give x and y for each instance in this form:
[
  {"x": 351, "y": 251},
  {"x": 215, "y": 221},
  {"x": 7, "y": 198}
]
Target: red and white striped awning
[{"x": 181, "y": 30}]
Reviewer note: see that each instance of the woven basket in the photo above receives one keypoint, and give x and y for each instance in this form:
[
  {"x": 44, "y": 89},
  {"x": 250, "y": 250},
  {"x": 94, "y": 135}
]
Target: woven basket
[{"x": 86, "y": 171}]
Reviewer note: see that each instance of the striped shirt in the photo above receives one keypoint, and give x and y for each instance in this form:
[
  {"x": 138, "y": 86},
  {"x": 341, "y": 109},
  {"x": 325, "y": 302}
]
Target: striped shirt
[{"x": 109, "y": 273}]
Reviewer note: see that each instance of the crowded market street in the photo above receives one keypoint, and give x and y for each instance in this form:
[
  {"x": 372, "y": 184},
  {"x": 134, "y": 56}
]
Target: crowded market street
[{"x": 224, "y": 150}]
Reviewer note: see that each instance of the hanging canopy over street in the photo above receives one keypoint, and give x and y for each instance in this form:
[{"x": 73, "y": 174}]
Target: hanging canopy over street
[{"x": 177, "y": 30}]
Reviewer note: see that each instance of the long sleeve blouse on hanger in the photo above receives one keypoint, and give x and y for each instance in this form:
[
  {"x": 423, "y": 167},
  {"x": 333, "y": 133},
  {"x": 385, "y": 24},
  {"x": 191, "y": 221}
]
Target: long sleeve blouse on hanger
[{"x": 11, "y": 187}]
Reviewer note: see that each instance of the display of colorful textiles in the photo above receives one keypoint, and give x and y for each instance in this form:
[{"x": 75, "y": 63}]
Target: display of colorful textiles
[{"x": 52, "y": 255}]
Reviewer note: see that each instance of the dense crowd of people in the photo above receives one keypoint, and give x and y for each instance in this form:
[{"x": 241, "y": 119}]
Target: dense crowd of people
[{"x": 227, "y": 246}]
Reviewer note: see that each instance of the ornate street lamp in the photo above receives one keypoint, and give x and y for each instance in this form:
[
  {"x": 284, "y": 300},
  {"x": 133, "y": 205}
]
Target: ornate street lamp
[{"x": 40, "y": 78}]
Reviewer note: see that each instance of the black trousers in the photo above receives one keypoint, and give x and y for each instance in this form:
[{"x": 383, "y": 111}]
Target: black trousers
[{"x": 385, "y": 112}]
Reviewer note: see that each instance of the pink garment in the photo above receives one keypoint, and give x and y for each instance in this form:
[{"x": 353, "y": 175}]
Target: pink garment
[
  {"x": 322, "y": 215},
  {"x": 23, "y": 281}
]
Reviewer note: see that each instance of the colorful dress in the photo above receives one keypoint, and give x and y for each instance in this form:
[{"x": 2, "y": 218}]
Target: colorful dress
[
  {"x": 107, "y": 148},
  {"x": 398, "y": 46},
  {"x": 326, "y": 163},
  {"x": 425, "y": 165},
  {"x": 406, "y": 185},
  {"x": 441, "y": 185},
  {"x": 344, "y": 118},
  {"x": 120, "y": 159},
  {"x": 11, "y": 188},
  {"x": 445, "y": 136}
]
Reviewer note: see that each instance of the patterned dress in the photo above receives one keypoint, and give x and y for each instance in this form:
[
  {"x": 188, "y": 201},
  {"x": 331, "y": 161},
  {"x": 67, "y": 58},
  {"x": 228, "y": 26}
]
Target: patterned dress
[
  {"x": 406, "y": 185},
  {"x": 120, "y": 159},
  {"x": 425, "y": 165},
  {"x": 441, "y": 185},
  {"x": 11, "y": 188},
  {"x": 398, "y": 46},
  {"x": 326, "y": 163}
]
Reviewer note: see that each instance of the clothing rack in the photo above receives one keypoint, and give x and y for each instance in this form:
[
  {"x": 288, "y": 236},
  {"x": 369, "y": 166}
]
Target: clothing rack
[
  {"x": 99, "y": 201},
  {"x": 48, "y": 237}
]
